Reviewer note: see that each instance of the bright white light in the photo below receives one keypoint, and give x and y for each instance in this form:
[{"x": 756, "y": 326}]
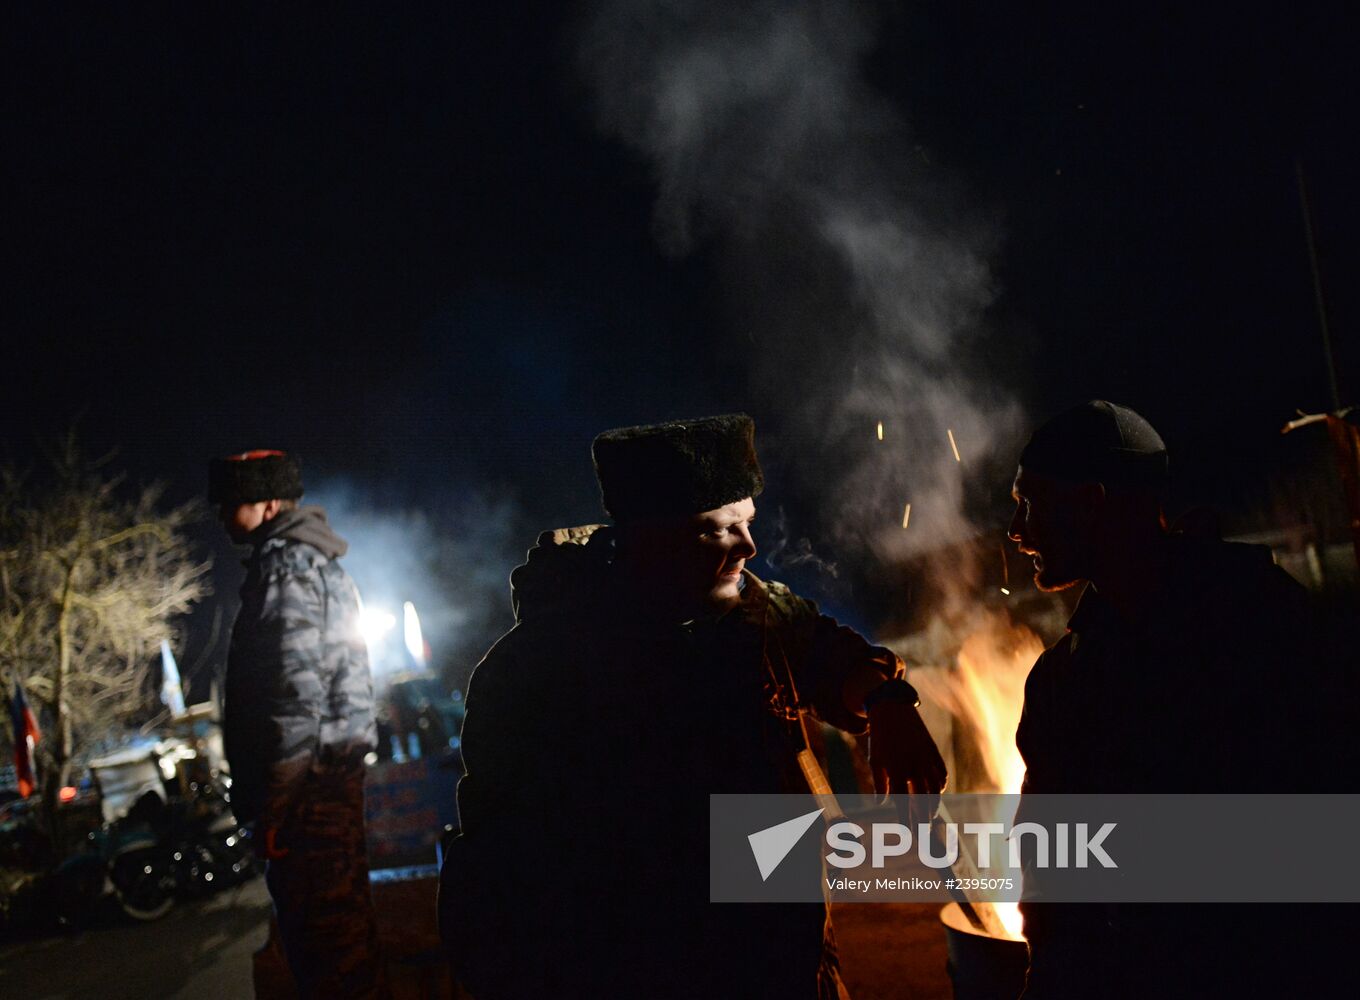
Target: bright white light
[
  {"x": 374, "y": 623},
  {"x": 415, "y": 641}
]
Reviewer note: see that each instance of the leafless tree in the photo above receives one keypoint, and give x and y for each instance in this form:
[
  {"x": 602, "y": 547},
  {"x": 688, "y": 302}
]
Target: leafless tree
[{"x": 92, "y": 577}]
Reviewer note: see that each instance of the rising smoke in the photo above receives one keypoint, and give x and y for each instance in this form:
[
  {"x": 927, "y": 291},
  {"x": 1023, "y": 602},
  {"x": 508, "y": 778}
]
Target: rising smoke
[
  {"x": 788, "y": 551},
  {"x": 853, "y": 269}
]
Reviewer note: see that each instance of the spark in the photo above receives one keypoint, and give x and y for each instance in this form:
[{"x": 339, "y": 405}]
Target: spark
[
  {"x": 953, "y": 445},
  {"x": 880, "y": 430},
  {"x": 906, "y": 516},
  {"x": 1005, "y": 591}
]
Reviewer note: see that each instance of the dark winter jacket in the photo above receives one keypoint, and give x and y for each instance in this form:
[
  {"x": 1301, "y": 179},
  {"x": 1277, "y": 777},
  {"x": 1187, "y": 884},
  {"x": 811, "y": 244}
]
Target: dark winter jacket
[
  {"x": 298, "y": 691},
  {"x": 595, "y": 732},
  {"x": 1223, "y": 688}
]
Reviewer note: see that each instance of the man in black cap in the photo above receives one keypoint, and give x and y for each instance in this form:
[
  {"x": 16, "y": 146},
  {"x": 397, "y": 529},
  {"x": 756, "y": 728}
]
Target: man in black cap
[
  {"x": 298, "y": 721},
  {"x": 649, "y": 668},
  {"x": 1169, "y": 680}
]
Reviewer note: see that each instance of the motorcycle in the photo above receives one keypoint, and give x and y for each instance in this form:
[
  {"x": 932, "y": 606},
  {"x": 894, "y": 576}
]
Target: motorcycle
[
  {"x": 152, "y": 823},
  {"x": 174, "y": 841}
]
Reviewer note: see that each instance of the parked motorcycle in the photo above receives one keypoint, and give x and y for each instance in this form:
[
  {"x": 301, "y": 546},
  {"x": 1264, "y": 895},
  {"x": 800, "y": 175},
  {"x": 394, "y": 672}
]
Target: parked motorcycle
[{"x": 178, "y": 837}]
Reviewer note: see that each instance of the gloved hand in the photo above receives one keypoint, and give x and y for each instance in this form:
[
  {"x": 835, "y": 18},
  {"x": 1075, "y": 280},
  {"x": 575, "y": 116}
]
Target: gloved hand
[{"x": 903, "y": 758}]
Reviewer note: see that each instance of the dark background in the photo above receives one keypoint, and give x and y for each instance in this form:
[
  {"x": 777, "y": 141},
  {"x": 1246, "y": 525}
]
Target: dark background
[{"x": 391, "y": 239}]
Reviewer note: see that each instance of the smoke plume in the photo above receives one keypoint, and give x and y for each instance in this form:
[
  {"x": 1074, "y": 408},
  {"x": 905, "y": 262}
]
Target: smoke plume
[{"x": 852, "y": 265}]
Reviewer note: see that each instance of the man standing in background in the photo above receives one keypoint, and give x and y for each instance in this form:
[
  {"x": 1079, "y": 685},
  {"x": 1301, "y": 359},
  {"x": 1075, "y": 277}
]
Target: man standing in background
[{"x": 298, "y": 722}]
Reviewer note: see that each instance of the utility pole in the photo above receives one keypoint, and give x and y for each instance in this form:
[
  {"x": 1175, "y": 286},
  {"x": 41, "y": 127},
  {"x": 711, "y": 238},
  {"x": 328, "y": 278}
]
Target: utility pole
[{"x": 1318, "y": 298}]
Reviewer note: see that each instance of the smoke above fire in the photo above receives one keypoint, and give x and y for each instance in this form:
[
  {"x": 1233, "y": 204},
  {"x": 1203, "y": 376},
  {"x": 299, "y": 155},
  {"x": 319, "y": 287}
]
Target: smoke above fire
[{"x": 858, "y": 277}]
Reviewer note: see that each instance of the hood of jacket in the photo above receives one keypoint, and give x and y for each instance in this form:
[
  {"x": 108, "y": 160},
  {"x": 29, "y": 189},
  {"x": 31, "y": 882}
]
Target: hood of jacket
[
  {"x": 304, "y": 524},
  {"x": 565, "y": 572},
  {"x": 569, "y": 572}
]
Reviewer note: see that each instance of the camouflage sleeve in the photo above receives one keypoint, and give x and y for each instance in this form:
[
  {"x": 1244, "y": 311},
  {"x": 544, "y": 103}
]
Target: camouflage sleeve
[
  {"x": 823, "y": 654},
  {"x": 289, "y": 620}
]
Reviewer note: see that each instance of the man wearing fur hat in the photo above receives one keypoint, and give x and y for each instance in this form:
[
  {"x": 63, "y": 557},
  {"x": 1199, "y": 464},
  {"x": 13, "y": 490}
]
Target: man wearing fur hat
[
  {"x": 649, "y": 667},
  {"x": 298, "y": 721}
]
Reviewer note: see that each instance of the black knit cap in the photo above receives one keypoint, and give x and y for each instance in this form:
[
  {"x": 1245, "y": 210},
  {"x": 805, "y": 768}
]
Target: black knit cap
[
  {"x": 253, "y": 476},
  {"x": 680, "y": 467},
  {"x": 1100, "y": 442}
]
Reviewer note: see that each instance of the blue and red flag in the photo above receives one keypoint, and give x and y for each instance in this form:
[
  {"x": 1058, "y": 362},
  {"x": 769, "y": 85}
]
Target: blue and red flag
[{"x": 26, "y": 736}]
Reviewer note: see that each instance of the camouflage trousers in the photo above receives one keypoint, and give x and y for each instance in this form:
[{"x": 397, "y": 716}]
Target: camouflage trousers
[{"x": 321, "y": 894}]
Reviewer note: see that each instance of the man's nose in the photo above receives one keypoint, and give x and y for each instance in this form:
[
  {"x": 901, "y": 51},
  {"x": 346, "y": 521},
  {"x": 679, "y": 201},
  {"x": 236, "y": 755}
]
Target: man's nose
[
  {"x": 746, "y": 545},
  {"x": 1013, "y": 530}
]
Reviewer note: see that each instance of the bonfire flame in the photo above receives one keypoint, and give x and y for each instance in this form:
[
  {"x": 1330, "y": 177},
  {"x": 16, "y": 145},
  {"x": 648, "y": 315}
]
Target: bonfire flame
[{"x": 983, "y": 694}]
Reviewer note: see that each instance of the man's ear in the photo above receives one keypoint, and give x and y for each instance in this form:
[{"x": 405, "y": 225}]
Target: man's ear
[
  {"x": 271, "y": 509},
  {"x": 1091, "y": 499}
]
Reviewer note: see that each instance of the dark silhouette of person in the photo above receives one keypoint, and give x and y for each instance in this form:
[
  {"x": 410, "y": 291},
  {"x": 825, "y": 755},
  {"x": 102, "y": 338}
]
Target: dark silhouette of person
[{"x": 1190, "y": 665}]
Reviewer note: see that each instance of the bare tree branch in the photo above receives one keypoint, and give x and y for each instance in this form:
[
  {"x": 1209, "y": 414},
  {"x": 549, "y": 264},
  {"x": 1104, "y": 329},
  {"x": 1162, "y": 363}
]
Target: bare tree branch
[{"x": 93, "y": 576}]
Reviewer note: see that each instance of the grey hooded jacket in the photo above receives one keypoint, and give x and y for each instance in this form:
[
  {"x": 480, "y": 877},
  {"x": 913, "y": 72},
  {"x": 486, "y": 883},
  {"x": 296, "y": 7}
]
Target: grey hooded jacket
[{"x": 298, "y": 690}]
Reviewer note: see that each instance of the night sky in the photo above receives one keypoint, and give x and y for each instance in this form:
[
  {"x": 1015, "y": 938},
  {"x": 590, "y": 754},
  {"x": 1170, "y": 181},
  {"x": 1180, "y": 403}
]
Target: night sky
[{"x": 395, "y": 240}]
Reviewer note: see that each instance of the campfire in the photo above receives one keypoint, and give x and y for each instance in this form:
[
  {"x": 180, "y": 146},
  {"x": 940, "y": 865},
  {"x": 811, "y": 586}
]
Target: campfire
[{"x": 972, "y": 702}]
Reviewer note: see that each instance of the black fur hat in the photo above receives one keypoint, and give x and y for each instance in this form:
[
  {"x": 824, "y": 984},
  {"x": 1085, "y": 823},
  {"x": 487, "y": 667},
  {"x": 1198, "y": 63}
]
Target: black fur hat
[
  {"x": 1100, "y": 442},
  {"x": 680, "y": 467},
  {"x": 253, "y": 476}
]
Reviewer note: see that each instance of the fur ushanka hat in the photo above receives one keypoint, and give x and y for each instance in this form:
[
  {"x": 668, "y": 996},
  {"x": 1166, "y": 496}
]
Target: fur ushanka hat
[
  {"x": 253, "y": 476},
  {"x": 680, "y": 467}
]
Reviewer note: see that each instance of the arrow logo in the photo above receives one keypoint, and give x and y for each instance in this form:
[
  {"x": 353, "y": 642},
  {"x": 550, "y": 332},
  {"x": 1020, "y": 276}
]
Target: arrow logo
[{"x": 772, "y": 845}]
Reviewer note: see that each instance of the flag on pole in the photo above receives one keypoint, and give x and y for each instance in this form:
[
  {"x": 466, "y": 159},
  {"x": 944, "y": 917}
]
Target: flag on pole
[
  {"x": 172, "y": 692},
  {"x": 26, "y": 736}
]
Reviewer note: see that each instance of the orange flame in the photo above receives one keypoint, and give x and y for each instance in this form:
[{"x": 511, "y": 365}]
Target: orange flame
[{"x": 984, "y": 693}]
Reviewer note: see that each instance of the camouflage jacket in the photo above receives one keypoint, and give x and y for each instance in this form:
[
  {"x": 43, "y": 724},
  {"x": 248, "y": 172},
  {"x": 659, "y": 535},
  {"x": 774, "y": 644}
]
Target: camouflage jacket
[
  {"x": 298, "y": 691},
  {"x": 595, "y": 727}
]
